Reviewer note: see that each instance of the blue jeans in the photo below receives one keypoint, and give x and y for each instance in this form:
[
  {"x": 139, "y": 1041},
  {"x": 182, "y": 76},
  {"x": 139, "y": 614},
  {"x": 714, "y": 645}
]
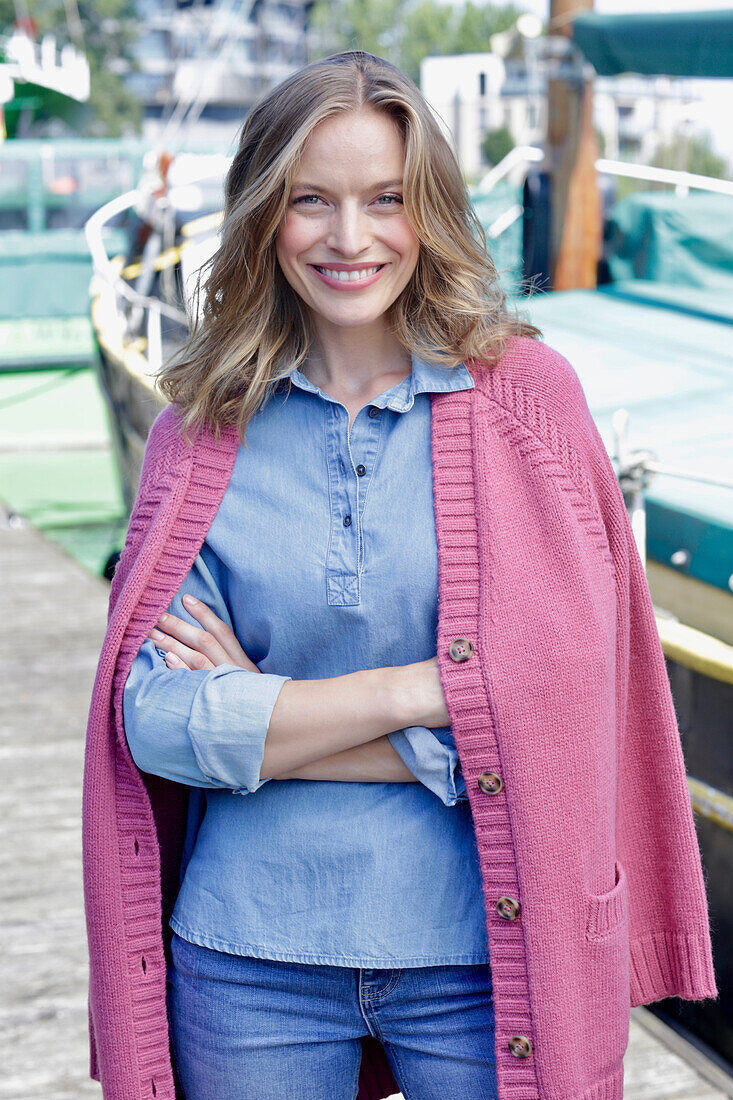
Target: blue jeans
[{"x": 256, "y": 1029}]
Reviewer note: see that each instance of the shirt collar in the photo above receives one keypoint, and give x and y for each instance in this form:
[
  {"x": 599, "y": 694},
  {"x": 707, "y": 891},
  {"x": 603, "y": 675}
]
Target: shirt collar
[{"x": 423, "y": 378}]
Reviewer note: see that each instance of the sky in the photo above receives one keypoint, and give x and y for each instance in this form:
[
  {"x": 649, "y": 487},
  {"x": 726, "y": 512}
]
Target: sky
[{"x": 717, "y": 95}]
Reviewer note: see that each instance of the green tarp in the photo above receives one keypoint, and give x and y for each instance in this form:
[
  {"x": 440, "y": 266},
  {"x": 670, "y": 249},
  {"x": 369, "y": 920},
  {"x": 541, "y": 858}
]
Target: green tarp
[
  {"x": 47, "y": 274},
  {"x": 674, "y": 374},
  {"x": 695, "y": 44},
  {"x": 506, "y": 248},
  {"x": 659, "y": 236}
]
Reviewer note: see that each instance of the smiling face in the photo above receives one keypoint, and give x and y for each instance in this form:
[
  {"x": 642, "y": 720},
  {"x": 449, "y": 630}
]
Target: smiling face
[{"x": 345, "y": 245}]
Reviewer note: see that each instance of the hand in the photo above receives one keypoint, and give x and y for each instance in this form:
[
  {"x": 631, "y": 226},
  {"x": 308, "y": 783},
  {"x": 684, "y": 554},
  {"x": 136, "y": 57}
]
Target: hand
[{"x": 192, "y": 647}]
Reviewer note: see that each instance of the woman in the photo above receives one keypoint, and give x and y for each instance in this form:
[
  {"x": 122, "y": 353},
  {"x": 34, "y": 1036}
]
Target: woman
[{"x": 458, "y": 853}]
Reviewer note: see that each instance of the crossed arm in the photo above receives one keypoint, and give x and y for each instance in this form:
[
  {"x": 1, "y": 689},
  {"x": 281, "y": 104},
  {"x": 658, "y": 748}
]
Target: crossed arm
[{"x": 319, "y": 710}]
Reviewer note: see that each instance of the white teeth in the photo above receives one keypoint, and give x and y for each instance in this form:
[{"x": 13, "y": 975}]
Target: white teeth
[{"x": 348, "y": 276}]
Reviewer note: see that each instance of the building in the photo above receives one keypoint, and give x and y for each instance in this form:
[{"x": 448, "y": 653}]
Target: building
[
  {"x": 215, "y": 58},
  {"x": 475, "y": 93}
]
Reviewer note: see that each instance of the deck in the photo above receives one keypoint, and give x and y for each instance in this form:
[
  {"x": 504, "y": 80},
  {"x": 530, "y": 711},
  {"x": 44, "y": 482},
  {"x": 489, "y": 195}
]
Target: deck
[{"x": 57, "y": 613}]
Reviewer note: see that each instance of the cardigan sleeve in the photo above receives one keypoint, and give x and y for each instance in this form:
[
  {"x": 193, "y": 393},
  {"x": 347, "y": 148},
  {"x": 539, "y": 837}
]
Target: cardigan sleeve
[
  {"x": 202, "y": 728},
  {"x": 670, "y": 943},
  {"x": 669, "y": 933}
]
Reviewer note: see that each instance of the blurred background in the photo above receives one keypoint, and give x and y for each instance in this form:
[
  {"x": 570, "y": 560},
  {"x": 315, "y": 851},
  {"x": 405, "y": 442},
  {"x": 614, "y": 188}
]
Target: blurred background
[{"x": 597, "y": 146}]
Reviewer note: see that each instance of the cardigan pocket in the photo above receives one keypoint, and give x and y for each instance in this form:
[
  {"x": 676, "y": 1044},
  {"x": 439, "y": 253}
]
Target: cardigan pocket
[{"x": 607, "y": 912}]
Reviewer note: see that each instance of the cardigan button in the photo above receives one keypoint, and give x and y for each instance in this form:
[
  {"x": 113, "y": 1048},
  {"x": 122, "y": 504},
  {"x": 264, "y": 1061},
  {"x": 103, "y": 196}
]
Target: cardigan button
[
  {"x": 520, "y": 1046},
  {"x": 508, "y": 908},
  {"x": 490, "y": 782},
  {"x": 461, "y": 649}
]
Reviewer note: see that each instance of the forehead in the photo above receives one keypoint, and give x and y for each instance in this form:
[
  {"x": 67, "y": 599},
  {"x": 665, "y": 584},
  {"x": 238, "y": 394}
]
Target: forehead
[{"x": 363, "y": 147}]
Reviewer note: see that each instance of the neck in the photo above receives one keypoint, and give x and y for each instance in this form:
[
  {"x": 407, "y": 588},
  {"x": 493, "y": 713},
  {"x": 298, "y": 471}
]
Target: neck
[{"x": 353, "y": 359}]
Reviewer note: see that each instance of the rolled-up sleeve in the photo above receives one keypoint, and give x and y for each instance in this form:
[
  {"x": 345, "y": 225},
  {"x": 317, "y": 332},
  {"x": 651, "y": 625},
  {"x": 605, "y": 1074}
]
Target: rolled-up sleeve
[
  {"x": 203, "y": 728},
  {"x": 433, "y": 761}
]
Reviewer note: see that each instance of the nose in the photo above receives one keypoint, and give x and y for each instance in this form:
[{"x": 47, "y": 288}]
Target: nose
[{"x": 349, "y": 231}]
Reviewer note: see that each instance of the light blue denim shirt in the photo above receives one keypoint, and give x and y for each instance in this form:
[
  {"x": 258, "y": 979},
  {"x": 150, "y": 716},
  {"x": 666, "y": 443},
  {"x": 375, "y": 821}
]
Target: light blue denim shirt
[{"x": 323, "y": 558}]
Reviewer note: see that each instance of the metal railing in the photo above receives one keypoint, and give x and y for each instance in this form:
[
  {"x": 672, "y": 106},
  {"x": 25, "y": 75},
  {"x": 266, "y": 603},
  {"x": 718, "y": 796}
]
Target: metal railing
[
  {"x": 525, "y": 155},
  {"x": 681, "y": 181},
  {"x": 522, "y": 154},
  {"x": 114, "y": 287}
]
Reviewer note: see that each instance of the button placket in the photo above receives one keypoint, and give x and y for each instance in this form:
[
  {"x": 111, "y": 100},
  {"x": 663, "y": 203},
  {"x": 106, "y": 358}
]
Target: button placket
[
  {"x": 342, "y": 558},
  {"x": 364, "y": 440}
]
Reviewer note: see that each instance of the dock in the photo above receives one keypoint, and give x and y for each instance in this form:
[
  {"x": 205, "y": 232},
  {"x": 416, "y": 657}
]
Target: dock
[{"x": 55, "y": 616}]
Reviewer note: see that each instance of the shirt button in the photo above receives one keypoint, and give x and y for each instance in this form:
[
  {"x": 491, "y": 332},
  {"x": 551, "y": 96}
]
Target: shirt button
[
  {"x": 520, "y": 1046},
  {"x": 461, "y": 649},
  {"x": 361, "y": 470},
  {"x": 508, "y": 908},
  {"x": 347, "y": 521},
  {"x": 373, "y": 411},
  {"x": 490, "y": 782}
]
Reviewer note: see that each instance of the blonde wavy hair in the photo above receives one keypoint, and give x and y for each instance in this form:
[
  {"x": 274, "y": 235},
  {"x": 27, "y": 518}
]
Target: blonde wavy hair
[{"x": 252, "y": 328}]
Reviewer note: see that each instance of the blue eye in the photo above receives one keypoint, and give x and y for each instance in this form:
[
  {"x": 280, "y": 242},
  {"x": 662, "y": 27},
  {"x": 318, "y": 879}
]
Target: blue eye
[{"x": 303, "y": 198}]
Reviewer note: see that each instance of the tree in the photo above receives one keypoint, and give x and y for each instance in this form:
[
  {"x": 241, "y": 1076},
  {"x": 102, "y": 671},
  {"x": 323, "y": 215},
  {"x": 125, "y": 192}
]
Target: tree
[
  {"x": 476, "y": 25},
  {"x": 356, "y": 25},
  {"x": 110, "y": 32},
  {"x": 496, "y": 145},
  {"x": 429, "y": 30},
  {"x": 406, "y": 31},
  {"x": 691, "y": 154}
]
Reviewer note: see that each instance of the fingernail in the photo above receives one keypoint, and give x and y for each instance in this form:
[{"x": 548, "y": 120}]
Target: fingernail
[
  {"x": 171, "y": 657},
  {"x": 156, "y": 635},
  {"x": 189, "y": 599}
]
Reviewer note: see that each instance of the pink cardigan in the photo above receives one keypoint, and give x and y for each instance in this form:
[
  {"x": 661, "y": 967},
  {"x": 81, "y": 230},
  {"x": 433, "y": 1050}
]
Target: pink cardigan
[{"x": 562, "y": 714}]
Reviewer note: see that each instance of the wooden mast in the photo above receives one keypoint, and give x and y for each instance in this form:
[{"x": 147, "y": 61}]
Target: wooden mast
[{"x": 576, "y": 221}]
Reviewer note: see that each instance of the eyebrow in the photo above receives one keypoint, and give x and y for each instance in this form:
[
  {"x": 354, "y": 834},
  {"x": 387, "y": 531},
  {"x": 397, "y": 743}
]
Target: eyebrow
[{"x": 371, "y": 187}]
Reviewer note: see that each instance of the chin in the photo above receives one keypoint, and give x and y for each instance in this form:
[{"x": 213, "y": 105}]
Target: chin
[
  {"x": 350, "y": 310},
  {"x": 352, "y": 320}
]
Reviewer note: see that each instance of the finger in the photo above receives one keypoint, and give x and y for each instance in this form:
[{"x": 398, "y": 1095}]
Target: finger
[
  {"x": 220, "y": 630},
  {"x": 203, "y": 641},
  {"x": 189, "y": 657},
  {"x": 175, "y": 662}
]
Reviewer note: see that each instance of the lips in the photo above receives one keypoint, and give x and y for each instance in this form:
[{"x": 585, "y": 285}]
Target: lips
[{"x": 348, "y": 276}]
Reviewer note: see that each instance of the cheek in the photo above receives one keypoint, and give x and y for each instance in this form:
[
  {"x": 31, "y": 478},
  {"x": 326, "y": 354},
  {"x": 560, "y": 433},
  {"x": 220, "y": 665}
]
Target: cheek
[
  {"x": 405, "y": 241},
  {"x": 294, "y": 236}
]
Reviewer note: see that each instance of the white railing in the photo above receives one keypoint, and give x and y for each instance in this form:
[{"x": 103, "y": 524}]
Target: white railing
[
  {"x": 681, "y": 181},
  {"x": 104, "y": 267},
  {"x": 522, "y": 154},
  {"x": 525, "y": 155}
]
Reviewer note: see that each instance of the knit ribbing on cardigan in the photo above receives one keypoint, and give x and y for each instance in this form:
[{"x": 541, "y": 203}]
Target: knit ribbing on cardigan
[{"x": 473, "y": 727}]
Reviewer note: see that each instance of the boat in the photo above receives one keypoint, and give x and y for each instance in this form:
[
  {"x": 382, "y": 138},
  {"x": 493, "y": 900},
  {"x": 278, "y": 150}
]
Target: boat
[
  {"x": 654, "y": 354},
  {"x": 41, "y": 324},
  {"x": 56, "y": 466}
]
